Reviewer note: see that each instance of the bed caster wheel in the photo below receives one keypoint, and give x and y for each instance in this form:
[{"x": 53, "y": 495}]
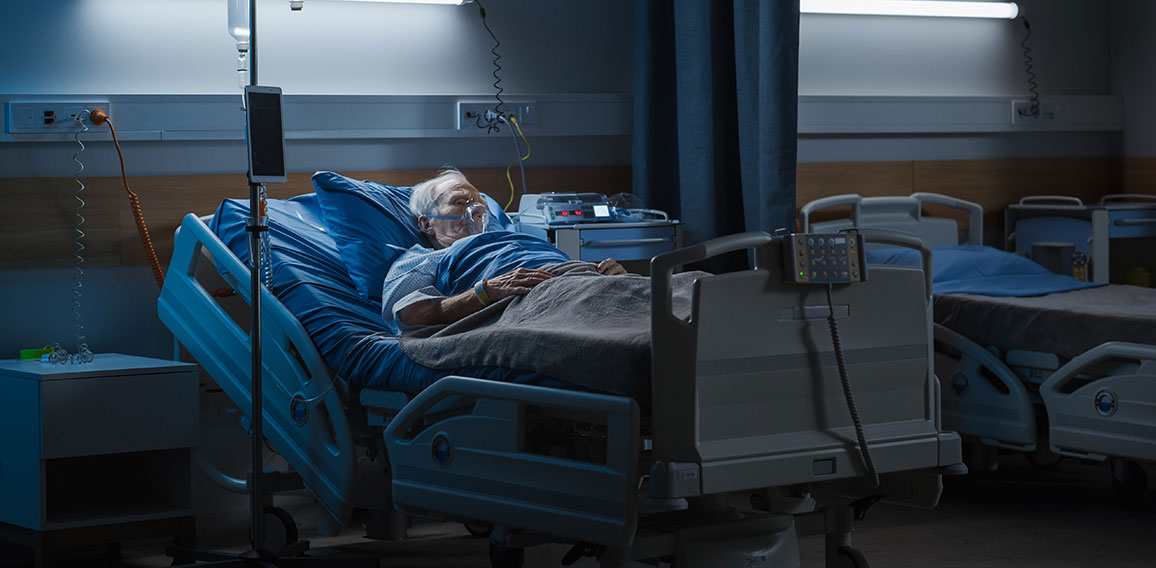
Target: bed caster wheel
[
  {"x": 280, "y": 529},
  {"x": 506, "y": 557},
  {"x": 478, "y": 530},
  {"x": 1043, "y": 458},
  {"x": 850, "y": 557},
  {"x": 1129, "y": 480}
]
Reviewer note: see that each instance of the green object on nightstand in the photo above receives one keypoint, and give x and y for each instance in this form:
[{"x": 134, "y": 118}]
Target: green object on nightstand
[{"x": 26, "y": 354}]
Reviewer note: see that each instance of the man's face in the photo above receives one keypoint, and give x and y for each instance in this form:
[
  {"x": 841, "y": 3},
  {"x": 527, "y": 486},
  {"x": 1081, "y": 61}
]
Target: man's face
[{"x": 455, "y": 201}]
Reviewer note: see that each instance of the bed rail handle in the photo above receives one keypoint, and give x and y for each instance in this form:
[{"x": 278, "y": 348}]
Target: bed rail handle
[
  {"x": 906, "y": 240},
  {"x": 1098, "y": 354},
  {"x": 974, "y": 212},
  {"x": 851, "y": 199},
  {"x": 1125, "y": 196},
  {"x": 1038, "y": 198},
  {"x": 454, "y": 385},
  {"x": 663, "y": 265}
]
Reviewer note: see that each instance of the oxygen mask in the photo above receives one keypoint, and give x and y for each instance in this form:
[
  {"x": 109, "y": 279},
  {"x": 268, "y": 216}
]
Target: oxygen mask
[{"x": 469, "y": 218}]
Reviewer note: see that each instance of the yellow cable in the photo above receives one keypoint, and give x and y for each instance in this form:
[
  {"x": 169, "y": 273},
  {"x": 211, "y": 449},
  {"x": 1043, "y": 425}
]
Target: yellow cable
[{"x": 511, "y": 164}]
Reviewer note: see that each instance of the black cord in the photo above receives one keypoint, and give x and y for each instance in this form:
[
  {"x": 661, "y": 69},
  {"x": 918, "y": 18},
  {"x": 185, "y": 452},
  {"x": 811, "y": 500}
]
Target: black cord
[
  {"x": 1030, "y": 68},
  {"x": 864, "y": 452},
  {"x": 491, "y": 124}
]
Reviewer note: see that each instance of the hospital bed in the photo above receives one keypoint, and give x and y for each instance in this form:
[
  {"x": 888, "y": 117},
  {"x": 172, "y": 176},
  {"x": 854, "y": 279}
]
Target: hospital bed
[
  {"x": 1072, "y": 373},
  {"x": 747, "y": 429}
]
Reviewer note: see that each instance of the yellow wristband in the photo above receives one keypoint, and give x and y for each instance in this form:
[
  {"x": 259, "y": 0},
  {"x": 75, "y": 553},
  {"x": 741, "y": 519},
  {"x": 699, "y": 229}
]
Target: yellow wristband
[{"x": 480, "y": 292}]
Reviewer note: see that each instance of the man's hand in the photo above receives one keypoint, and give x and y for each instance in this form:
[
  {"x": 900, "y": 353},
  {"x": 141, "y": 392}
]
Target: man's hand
[
  {"x": 610, "y": 267},
  {"x": 515, "y": 283}
]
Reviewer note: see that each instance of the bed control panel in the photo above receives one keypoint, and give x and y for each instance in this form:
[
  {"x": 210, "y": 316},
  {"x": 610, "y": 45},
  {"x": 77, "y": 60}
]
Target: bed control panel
[{"x": 824, "y": 258}]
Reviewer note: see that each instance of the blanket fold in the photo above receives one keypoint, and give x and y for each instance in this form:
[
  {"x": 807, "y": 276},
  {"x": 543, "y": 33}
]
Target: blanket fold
[{"x": 581, "y": 327}]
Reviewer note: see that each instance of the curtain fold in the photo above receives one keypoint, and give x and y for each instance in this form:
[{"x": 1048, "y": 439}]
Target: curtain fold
[{"x": 716, "y": 112}]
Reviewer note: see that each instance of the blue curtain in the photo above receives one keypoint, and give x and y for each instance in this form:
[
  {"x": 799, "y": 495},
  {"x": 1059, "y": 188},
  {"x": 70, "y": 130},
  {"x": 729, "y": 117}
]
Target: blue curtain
[{"x": 715, "y": 115}]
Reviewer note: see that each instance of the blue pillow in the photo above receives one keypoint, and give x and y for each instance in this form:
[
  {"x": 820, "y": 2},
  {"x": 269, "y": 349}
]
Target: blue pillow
[
  {"x": 373, "y": 226},
  {"x": 365, "y": 218},
  {"x": 974, "y": 269}
]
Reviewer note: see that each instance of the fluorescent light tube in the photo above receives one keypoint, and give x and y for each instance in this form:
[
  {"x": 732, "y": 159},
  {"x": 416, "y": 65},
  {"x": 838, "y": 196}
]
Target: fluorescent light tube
[
  {"x": 935, "y": 8},
  {"x": 453, "y": 2}
]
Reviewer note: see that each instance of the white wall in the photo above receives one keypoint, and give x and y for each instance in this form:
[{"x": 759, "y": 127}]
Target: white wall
[
  {"x": 183, "y": 47},
  {"x": 1133, "y": 73},
  {"x": 895, "y": 56}
]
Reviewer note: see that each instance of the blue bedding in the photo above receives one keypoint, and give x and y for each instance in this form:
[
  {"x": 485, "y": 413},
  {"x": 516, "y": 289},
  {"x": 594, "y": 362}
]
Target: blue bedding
[
  {"x": 311, "y": 280},
  {"x": 492, "y": 254},
  {"x": 974, "y": 269}
]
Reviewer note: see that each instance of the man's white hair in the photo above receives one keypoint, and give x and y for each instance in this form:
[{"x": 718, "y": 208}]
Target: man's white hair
[{"x": 426, "y": 192}]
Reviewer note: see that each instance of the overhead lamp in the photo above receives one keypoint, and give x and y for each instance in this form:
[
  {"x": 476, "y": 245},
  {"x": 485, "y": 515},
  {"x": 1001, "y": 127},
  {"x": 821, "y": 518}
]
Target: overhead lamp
[
  {"x": 296, "y": 5},
  {"x": 932, "y": 8}
]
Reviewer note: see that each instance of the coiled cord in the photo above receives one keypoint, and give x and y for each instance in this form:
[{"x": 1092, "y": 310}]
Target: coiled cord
[
  {"x": 83, "y": 355},
  {"x": 1029, "y": 67},
  {"x": 491, "y": 124},
  {"x": 864, "y": 452},
  {"x": 99, "y": 117}
]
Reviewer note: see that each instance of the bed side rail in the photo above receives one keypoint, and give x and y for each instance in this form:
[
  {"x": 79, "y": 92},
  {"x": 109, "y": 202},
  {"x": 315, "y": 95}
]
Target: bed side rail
[
  {"x": 1102, "y": 403},
  {"x": 992, "y": 405},
  {"x": 483, "y": 461},
  {"x": 303, "y": 412},
  {"x": 898, "y": 212}
]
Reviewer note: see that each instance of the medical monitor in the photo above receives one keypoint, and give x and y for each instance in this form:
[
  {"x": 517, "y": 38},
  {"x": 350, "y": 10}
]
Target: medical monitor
[{"x": 264, "y": 134}]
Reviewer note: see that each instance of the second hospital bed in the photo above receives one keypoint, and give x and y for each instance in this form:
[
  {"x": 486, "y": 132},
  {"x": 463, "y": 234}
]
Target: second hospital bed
[
  {"x": 1072, "y": 372},
  {"x": 745, "y": 396}
]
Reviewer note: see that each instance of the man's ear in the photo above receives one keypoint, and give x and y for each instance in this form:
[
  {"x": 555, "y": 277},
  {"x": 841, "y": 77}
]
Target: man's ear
[{"x": 423, "y": 224}]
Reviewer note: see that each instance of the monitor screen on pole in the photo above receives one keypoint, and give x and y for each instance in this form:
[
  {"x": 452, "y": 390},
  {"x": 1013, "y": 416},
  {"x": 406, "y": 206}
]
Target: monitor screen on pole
[{"x": 264, "y": 134}]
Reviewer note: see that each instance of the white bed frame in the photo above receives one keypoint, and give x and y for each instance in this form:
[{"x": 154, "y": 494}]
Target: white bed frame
[
  {"x": 1098, "y": 406},
  {"x": 746, "y": 398}
]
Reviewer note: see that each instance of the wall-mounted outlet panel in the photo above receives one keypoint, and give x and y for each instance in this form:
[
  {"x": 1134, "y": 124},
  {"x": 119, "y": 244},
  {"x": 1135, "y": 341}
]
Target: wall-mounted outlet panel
[
  {"x": 471, "y": 113},
  {"x": 43, "y": 117},
  {"x": 1049, "y": 113}
]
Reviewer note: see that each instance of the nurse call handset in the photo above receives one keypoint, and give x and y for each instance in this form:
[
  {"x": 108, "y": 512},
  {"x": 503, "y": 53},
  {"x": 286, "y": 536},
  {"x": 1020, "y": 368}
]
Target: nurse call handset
[
  {"x": 824, "y": 258},
  {"x": 264, "y": 134}
]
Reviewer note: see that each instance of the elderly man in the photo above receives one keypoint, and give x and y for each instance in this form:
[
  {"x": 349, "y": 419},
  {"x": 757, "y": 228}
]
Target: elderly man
[{"x": 450, "y": 210}]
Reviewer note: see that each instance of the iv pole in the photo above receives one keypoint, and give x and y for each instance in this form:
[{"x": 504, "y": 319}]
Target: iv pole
[
  {"x": 258, "y": 555},
  {"x": 255, "y": 227}
]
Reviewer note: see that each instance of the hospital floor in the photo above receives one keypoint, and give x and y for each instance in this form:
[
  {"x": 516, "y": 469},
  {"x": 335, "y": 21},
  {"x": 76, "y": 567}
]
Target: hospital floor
[{"x": 1017, "y": 516}]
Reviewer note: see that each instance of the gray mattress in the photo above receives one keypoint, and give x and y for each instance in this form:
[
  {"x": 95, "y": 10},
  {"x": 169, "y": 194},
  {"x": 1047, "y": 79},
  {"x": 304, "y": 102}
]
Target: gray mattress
[{"x": 1066, "y": 324}]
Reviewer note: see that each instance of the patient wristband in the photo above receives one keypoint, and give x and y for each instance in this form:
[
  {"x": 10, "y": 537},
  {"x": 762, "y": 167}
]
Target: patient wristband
[{"x": 480, "y": 292}]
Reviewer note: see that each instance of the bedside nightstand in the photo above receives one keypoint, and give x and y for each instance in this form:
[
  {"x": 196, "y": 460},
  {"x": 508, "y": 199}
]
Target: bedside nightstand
[{"x": 97, "y": 452}]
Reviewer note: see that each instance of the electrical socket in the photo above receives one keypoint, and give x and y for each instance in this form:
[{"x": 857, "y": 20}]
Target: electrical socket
[
  {"x": 1049, "y": 113},
  {"x": 469, "y": 113},
  {"x": 42, "y": 117}
]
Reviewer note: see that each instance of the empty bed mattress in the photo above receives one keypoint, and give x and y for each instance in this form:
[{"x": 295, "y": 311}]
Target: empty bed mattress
[{"x": 1000, "y": 299}]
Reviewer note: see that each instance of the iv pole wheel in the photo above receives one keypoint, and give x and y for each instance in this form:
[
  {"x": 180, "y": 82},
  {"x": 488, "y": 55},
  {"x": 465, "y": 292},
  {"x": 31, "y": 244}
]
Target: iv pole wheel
[
  {"x": 506, "y": 557},
  {"x": 280, "y": 529},
  {"x": 851, "y": 557}
]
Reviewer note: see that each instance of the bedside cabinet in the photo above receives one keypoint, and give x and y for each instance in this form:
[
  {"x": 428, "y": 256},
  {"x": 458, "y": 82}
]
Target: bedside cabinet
[{"x": 97, "y": 452}]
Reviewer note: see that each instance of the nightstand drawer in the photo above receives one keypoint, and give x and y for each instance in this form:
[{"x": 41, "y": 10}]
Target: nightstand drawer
[{"x": 117, "y": 414}]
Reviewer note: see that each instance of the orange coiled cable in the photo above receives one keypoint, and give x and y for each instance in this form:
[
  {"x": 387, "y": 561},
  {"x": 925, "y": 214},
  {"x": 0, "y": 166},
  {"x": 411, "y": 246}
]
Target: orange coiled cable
[{"x": 99, "y": 117}]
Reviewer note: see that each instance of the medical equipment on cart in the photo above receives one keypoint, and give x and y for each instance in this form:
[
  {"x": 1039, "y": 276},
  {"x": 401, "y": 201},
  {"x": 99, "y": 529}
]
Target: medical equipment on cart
[
  {"x": 753, "y": 365},
  {"x": 1104, "y": 236},
  {"x": 1017, "y": 384},
  {"x": 590, "y": 227}
]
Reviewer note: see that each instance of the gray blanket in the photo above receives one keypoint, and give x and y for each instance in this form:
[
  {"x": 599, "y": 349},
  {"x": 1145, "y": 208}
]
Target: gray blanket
[
  {"x": 581, "y": 327},
  {"x": 1067, "y": 323}
]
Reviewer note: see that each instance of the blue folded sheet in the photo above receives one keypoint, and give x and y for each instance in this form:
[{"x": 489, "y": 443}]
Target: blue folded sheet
[
  {"x": 311, "y": 280},
  {"x": 974, "y": 269}
]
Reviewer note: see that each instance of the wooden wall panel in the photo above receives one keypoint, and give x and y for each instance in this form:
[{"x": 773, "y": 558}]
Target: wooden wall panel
[{"x": 36, "y": 215}]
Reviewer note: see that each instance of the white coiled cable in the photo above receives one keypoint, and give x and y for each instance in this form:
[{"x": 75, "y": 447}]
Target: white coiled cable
[{"x": 82, "y": 355}]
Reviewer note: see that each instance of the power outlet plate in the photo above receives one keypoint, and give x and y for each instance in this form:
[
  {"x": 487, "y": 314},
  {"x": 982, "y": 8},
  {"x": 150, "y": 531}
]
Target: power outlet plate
[
  {"x": 1050, "y": 113},
  {"x": 471, "y": 113},
  {"x": 42, "y": 117}
]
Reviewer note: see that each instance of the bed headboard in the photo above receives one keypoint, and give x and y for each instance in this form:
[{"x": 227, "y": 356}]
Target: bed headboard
[{"x": 901, "y": 213}]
